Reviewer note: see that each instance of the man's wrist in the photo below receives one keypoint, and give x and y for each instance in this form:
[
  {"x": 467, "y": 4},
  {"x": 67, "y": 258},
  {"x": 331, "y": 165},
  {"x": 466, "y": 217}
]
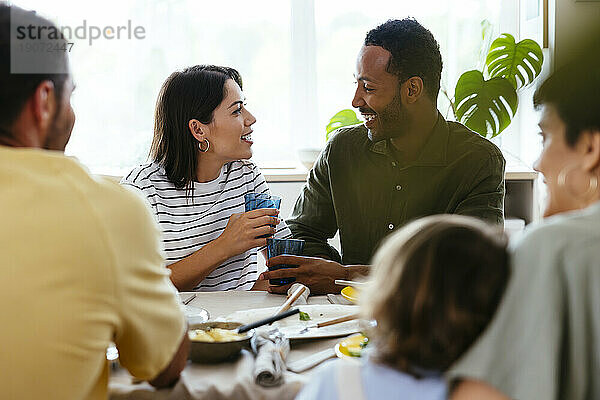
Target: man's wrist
[
  {"x": 356, "y": 271},
  {"x": 346, "y": 269}
]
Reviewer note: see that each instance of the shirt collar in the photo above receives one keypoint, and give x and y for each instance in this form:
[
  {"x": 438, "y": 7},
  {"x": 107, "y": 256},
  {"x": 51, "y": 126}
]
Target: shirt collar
[{"x": 433, "y": 152}]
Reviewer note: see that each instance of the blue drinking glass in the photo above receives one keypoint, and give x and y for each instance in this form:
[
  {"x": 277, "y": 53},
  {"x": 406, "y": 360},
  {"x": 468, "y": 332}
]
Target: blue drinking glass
[
  {"x": 253, "y": 201},
  {"x": 277, "y": 247}
]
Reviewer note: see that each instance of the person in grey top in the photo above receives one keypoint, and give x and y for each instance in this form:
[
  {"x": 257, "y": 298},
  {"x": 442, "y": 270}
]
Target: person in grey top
[{"x": 544, "y": 342}]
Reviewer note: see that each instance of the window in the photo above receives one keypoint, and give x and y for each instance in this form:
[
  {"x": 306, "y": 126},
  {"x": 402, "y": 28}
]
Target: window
[{"x": 296, "y": 57}]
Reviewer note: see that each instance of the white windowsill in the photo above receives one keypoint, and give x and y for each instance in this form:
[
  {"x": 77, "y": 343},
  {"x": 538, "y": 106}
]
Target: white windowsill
[
  {"x": 297, "y": 174},
  {"x": 515, "y": 170}
]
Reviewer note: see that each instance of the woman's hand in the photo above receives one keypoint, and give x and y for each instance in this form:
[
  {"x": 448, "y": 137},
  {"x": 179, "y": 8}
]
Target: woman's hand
[{"x": 243, "y": 230}]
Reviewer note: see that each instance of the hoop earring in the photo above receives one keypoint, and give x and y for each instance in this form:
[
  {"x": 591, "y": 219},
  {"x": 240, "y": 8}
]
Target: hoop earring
[
  {"x": 562, "y": 182},
  {"x": 207, "y": 146}
]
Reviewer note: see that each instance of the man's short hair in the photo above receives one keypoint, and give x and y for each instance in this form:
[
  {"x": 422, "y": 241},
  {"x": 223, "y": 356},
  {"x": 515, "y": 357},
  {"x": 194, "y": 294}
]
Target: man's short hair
[
  {"x": 573, "y": 90},
  {"x": 414, "y": 51},
  {"x": 16, "y": 88}
]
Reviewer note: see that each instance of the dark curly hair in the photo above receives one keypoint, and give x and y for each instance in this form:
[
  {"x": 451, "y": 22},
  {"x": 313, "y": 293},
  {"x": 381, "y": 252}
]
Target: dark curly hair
[{"x": 414, "y": 51}]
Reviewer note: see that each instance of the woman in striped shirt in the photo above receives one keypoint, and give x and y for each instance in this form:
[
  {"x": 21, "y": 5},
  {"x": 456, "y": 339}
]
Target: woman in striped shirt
[{"x": 197, "y": 179}]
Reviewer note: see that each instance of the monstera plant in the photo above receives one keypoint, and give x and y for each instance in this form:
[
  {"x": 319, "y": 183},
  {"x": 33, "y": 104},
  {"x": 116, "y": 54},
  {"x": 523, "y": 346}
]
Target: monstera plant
[
  {"x": 342, "y": 118},
  {"x": 486, "y": 101}
]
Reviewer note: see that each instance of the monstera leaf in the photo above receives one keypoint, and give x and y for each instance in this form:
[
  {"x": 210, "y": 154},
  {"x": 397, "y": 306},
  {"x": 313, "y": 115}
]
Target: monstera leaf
[
  {"x": 485, "y": 106},
  {"x": 520, "y": 63},
  {"x": 343, "y": 118}
]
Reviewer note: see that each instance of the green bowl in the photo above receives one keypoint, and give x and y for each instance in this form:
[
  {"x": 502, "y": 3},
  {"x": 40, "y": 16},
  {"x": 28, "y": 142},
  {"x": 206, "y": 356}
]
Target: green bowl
[{"x": 215, "y": 352}]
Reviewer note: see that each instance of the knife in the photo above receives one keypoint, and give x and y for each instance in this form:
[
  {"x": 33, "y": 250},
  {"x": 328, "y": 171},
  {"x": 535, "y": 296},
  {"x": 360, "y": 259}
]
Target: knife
[
  {"x": 330, "y": 322},
  {"x": 285, "y": 314}
]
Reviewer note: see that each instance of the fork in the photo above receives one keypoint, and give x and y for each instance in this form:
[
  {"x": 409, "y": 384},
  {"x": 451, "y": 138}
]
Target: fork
[{"x": 288, "y": 303}]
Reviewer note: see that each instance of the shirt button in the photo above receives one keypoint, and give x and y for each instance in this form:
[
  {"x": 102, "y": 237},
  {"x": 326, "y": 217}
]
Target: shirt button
[
  {"x": 394, "y": 163},
  {"x": 398, "y": 187},
  {"x": 391, "y": 226}
]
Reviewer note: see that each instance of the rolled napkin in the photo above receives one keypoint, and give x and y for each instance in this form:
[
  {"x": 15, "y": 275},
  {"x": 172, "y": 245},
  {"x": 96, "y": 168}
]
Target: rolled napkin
[
  {"x": 303, "y": 297},
  {"x": 271, "y": 348}
]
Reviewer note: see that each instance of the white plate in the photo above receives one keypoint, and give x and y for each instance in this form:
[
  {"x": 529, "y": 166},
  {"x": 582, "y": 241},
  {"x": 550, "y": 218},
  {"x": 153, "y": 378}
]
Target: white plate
[{"x": 291, "y": 326}]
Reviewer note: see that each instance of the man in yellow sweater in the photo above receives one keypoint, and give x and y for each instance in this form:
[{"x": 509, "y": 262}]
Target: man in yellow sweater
[{"x": 80, "y": 264}]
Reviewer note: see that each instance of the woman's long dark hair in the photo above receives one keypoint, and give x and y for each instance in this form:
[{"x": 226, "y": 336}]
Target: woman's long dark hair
[{"x": 193, "y": 93}]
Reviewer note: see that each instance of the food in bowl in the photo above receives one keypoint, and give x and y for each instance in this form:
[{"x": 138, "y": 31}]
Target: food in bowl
[
  {"x": 215, "y": 335},
  {"x": 216, "y": 341}
]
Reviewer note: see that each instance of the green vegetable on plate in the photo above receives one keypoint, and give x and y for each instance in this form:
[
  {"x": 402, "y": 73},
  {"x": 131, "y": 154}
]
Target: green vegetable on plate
[{"x": 304, "y": 316}]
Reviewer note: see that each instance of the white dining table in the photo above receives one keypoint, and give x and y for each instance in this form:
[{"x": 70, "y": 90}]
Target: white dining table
[{"x": 229, "y": 380}]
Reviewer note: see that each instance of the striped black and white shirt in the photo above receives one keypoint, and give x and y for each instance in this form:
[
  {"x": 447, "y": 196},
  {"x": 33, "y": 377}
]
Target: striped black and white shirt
[{"x": 189, "y": 222}]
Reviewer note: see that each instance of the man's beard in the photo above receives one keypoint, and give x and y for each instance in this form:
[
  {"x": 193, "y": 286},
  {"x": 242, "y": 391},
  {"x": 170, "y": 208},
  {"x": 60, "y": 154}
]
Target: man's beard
[
  {"x": 392, "y": 122},
  {"x": 59, "y": 131}
]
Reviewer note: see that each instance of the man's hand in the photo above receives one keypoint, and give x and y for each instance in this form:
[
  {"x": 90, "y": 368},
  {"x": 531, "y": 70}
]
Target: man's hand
[{"x": 316, "y": 273}]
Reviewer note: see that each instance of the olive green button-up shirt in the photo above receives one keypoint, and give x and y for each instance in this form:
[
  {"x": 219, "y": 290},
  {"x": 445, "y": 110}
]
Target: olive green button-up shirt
[{"x": 361, "y": 189}]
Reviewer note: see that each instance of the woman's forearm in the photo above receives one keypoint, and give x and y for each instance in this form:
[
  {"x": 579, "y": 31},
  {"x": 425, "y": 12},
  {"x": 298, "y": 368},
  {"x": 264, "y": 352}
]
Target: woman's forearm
[{"x": 187, "y": 273}]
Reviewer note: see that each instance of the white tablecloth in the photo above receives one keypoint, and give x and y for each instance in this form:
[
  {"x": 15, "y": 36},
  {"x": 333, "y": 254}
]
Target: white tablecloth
[{"x": 232, "y": 380}]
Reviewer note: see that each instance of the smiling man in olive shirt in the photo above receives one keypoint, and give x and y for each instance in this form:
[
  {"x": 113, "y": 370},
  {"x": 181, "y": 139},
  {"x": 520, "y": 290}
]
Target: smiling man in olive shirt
[{"x": 405, "y": 162}]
